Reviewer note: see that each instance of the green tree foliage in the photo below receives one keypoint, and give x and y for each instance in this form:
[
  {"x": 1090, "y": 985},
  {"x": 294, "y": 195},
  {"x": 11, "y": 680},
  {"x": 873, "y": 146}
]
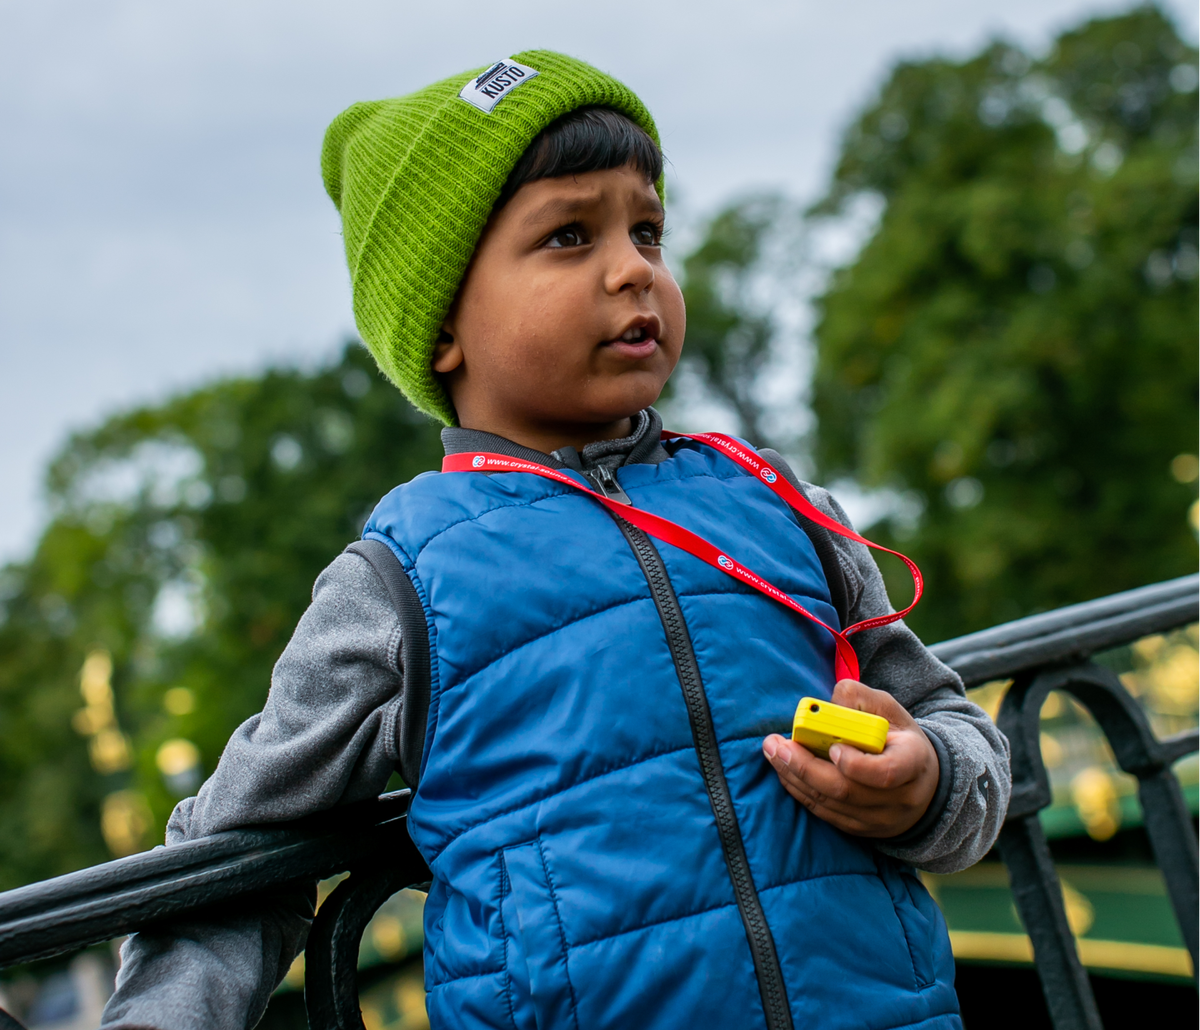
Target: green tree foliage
[
  {"x": 185, "y": 544},
  {"x": 1014, "y": 349},
  {"x": 731, "y": 327}
]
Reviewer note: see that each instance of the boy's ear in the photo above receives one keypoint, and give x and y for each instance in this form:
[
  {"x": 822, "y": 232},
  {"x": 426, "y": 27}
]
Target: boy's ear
[{"x": 447, "y": 354}]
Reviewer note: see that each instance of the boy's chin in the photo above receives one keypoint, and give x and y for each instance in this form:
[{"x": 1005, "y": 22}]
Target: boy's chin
[
  {"x": 602, "y": 402},
  {"x": 589, "y": 418},
  {"x": 625, "y": 406}
]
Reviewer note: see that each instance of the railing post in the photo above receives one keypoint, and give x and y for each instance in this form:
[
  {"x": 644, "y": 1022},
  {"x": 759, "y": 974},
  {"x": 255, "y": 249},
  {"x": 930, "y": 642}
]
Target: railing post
[
  {"x": 1035, "y": 885},
  {"x": 1038, "y": 895},
  {"x": 331, "y": 954},
  {"x": 1140, "y": 753},
  {"x": 1023, "y": 846},
  {"x": 1169, "y": 827}
]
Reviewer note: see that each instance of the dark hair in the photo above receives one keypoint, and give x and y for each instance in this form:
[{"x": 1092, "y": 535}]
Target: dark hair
[{"x": 588, "y": 139}]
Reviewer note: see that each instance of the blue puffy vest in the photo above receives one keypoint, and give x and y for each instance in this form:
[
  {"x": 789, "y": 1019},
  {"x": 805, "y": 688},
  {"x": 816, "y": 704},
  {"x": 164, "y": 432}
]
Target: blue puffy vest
[{"x": 609, "y": 848}]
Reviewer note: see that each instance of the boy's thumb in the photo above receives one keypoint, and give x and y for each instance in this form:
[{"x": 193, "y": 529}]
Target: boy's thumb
[{"x": 852, "y": 694}]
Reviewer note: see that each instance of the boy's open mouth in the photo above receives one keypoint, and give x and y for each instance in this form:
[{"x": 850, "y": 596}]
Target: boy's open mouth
[{"x": 639, "y": 340}]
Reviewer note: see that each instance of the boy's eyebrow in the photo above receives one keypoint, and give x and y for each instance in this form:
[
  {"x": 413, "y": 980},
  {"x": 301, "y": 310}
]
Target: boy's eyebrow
[
  {"x": 553, "y": 210},
  {"x": 556, "y": 210}
]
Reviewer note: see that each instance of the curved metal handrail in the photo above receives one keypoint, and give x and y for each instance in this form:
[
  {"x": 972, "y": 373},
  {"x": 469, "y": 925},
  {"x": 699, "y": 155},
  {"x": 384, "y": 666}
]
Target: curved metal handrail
[
  {"x": 105, "y": 901},
  {"x": 70, "y": 912},
  {"x": 1071, "y": 634},
  {"x": 1049, "y": 652}
]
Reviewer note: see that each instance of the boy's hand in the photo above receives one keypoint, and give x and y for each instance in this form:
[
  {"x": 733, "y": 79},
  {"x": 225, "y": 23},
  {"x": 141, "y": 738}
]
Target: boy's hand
[{"x": 866, "y": 795}]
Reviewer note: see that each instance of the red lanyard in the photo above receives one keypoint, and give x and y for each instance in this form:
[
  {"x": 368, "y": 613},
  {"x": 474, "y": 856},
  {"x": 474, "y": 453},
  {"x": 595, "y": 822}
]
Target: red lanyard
[{"x": 846, "y": 661}]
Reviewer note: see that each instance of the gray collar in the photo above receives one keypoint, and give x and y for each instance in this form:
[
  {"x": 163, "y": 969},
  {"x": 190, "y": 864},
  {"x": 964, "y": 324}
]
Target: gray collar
[{"x": 641, "y": 447}]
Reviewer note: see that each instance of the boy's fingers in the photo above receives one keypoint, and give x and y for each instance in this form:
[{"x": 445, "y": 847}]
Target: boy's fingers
[
  {"x": 852, "y": 694},
  {"x": 803, "y": 773},
  {"x": 823, "y": 779},
  {"x": 905, "y": 759},
  {"x": 839, "y": 819},
  {"x": 844, "y": 818},
  {"x": 883, "y": 772},
  {"x": 785, "y": 757}
]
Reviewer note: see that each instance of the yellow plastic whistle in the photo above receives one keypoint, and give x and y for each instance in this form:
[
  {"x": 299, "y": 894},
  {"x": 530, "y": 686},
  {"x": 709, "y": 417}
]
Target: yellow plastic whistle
[{"x": 821, "y": 724}]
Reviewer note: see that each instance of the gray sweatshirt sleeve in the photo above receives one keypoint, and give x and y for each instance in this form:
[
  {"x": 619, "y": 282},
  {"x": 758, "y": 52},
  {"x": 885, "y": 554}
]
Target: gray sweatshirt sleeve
[
  {"x": 966, "y": 814},
  {"x": 327, "y": 736}
]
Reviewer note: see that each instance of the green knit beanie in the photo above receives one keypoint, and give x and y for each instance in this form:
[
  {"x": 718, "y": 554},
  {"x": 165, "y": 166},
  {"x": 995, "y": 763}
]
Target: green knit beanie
[{"x": 415, "y": 179}]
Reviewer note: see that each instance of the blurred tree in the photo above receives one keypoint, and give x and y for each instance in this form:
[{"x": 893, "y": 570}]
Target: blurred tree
[
  {"x": 1014, "y": 350},
  {"x": 183, "y": 549},
  {"x": 731, "y": 327}
]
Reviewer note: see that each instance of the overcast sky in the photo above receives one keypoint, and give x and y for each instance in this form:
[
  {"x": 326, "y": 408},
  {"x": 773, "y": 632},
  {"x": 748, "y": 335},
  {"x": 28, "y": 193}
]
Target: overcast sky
[{"x": 162, "y": 219}]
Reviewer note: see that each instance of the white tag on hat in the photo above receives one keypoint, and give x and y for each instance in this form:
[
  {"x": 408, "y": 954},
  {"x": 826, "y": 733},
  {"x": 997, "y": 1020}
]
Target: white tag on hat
[{"x": 495, "y": 84}]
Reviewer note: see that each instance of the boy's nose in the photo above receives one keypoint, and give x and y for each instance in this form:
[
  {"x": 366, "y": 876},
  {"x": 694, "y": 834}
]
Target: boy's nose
[{"x": 629, "y": 270}]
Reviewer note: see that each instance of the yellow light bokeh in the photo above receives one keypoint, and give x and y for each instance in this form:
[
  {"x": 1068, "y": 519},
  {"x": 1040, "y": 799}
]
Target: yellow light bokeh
[
  {"x": 125, "y": 820},
  {"x": 1176, "y": 680},
  {"x": 990, "y": 695},
  {"x": 177, "y": 756},
  {"x": 410, "y": 1002},
  {"x": 1185, "y": 468},
  {"x": 91, "y": 720},
  {"x": 95, "y": 678},
  {"x": 1081, "y": 914},
  {"x": 110, "y": 752},
  {"x": 179, "y": 701},
  {"x": 1052, "y": 751},
  {"x": 1053, "y": 705},
  {"x": 387, "y": 934},
  {"x": 1095, "y": 797},
  {"x": 108, "y": 747}
]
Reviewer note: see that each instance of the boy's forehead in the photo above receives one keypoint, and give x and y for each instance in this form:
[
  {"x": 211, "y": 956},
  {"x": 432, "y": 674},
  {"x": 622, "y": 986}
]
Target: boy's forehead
[{"x": 570, "y": 195}]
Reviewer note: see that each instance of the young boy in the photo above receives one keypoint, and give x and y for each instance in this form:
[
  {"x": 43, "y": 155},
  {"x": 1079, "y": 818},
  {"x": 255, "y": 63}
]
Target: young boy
[{"x": 620, "y": 832}]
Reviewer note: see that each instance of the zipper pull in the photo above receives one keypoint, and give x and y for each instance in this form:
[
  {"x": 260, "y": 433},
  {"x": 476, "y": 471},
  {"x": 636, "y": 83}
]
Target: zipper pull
[{"x": 605, "y": 481}]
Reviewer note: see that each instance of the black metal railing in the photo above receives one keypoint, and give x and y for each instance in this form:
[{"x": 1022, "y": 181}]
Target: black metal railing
[
  {"x": 1052, "y": 652},
  {"x": 370, "y": 839}
]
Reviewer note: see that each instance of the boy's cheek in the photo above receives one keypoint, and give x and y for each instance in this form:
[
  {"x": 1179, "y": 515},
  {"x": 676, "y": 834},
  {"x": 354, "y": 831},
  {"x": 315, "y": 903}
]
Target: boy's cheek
[{"x": 675, "y": 317}]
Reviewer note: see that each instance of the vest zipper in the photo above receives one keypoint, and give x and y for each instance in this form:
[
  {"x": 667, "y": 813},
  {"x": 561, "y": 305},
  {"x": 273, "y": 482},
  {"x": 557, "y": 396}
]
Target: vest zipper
[
  {"x": 603, "y": 478},
  {"x": 704, "y": 739}
]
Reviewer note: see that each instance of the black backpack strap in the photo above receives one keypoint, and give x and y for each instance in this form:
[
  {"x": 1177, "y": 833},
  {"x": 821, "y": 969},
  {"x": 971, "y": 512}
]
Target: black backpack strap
[
  {"x": 822, "y": 541},
  {"x": 414, "y": 653}
]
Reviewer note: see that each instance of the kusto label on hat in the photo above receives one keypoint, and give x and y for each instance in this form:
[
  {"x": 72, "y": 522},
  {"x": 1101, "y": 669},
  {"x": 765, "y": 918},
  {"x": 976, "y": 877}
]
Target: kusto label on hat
[{"x": 495, "y": 84}]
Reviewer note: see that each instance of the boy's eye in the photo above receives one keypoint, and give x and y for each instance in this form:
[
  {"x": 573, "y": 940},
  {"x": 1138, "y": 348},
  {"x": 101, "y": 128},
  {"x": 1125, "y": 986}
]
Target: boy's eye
[
  {"x": 646, "y": 235},
  {"x": 567, "y": 236}
]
